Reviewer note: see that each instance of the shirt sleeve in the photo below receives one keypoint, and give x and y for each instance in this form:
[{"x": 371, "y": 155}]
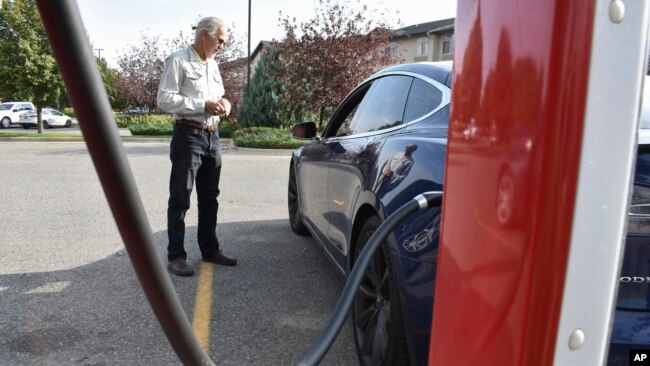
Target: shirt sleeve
[{"x": 169, "y": 97}]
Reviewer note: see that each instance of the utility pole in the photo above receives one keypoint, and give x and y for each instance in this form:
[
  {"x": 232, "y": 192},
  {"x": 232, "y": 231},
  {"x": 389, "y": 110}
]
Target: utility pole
[{"x": 99, "y": 52}]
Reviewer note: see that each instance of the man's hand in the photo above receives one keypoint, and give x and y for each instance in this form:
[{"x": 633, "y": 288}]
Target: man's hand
[
  {"x": 225, "y": 106},
  {"x": 219, "y": 107}
]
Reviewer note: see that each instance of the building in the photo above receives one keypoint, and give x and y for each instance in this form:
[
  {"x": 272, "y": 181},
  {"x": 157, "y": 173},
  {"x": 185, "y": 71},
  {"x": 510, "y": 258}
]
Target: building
[{"x": 432, "y": 41}]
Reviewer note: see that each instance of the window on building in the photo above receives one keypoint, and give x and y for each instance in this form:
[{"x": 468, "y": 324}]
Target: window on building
[
  {"x": 391, "y": 49},
  {"x": 447, "y": 43},
  {"x": 422, "y": 46}
]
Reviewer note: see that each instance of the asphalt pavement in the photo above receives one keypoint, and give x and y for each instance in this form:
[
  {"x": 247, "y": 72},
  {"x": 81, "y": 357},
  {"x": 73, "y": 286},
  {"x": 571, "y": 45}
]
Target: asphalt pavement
[{"x": 69, "y": 294}]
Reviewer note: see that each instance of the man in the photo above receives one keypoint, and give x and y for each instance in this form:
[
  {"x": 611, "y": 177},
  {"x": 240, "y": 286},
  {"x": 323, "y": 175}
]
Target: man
[
  {"x": 395, "y": 170},
  {"x": 192, "y": 90}
]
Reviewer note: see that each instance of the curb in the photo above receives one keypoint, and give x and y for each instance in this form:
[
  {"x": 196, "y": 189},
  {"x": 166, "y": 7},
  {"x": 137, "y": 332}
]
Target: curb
[{"x": 225, "y": 142}]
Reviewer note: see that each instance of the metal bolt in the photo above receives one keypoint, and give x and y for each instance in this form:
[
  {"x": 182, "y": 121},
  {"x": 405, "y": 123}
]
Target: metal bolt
[
  {"x": 577, "y": 339},
  {"x": 616, "y": 11}
]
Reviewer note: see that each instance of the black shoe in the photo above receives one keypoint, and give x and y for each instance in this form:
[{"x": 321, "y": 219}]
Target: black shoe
[
  {"x": 219, "y": 258},
  {"x": 180, "y": 268}
]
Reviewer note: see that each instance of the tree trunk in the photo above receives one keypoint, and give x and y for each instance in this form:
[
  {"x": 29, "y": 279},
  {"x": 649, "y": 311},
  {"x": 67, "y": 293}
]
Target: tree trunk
[
  {"x": 320, "y": 117},
  {"x": 39, "y": 120}
]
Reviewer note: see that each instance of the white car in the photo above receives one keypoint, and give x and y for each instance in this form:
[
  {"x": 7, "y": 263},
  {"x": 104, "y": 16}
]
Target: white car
[
  {"x": 10, "y": 112},
  {"x": 51, "y": 118}
]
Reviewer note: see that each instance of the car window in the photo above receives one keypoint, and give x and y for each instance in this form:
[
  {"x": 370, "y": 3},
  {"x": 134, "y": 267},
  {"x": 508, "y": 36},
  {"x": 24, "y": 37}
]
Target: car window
[
  {"x": 422, "y": 99},
  {"x": 25, "y": 107},
  {"x": 341, "y": 122},
  {"x": 46, "y": 112},
  {"x": 56, "y": 113},
  {"x": 383, "y": 106},
  {"x": 5, "y": 107}
]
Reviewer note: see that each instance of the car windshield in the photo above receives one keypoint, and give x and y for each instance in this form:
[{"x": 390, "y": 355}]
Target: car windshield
[{"x": 5, "y": 107}]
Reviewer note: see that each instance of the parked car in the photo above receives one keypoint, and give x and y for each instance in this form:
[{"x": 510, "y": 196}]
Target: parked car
[
  {"x": 631, "y": 328},
  {"x": 386, "y": 143},
  {"x": 138, "y": 110},
  {"x": 11, "y": 111},
  {"x": 51, "y": 118}
]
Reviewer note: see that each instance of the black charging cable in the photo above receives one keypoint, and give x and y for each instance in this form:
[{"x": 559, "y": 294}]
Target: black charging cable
[{"x": 323, "y": 343}]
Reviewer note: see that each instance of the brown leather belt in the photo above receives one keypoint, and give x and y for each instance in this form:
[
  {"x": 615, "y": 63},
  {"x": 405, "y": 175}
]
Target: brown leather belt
[{"x": 195, "y": 124}]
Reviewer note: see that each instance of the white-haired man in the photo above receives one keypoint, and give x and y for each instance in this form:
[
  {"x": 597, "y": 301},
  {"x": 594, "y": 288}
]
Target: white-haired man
[{"x": 192, "y": 90}]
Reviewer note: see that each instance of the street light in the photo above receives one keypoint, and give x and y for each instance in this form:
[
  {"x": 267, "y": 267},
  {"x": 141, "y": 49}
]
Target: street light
[{"x": 248, "y": 82}]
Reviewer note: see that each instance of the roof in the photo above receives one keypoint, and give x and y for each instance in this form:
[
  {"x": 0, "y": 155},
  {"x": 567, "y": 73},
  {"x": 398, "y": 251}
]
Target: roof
[
  {"x": 260, "y": 46},
  {"x": 422, "y": 28}
]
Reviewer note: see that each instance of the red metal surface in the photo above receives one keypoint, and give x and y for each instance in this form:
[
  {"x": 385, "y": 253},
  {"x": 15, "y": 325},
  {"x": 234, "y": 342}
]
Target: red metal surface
[{"x": 520, "y": 79}]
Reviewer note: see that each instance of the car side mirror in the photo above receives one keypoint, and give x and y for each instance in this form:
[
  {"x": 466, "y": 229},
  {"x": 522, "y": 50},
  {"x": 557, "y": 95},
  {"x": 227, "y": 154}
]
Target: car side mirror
[
  {"x": 14, "y": 110},
  {"x": 304, "y": 130}
]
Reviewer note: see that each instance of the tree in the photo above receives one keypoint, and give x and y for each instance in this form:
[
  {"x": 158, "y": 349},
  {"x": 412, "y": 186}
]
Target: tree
[
  {"x": 27, "y": 68},
  {"x": 110, "y": 77},
  {"x": 142, "y": 64},
  {"x": 262, "y": 105},
  {"x": 336, "y": 50},
  {"x": 140, "y": 70}
]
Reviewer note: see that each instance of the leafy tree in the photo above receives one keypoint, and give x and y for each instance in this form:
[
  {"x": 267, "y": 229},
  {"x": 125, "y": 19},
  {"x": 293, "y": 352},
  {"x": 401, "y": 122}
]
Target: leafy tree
[
  {"x": 140, "y": 70},
  {"x": 262, "y": 105},
  {"x": 27, "y": 68},
  {"x": 337, "y": 49},
  {"x": 110, "y": 77},
  {"x": 141, "y": 66}
]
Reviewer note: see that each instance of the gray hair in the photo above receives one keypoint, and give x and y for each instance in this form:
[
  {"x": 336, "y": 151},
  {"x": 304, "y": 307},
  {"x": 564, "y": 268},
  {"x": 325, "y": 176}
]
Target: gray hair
[{"x": 211, "y": 24}]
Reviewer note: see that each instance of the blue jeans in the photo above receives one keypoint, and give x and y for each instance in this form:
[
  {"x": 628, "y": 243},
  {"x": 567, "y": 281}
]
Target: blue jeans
[{"x": 195, "y": 156}]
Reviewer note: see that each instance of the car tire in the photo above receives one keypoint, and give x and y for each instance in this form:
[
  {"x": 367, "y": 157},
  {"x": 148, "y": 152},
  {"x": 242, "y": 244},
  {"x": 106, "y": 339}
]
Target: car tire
[
  {"x": 68, "y": 123},
  {"x": 5, "y": 122},
  {"x": 46, "y": 125},
  {"x": 295, "y": 214},
  {"x": 376, "y": 313}
]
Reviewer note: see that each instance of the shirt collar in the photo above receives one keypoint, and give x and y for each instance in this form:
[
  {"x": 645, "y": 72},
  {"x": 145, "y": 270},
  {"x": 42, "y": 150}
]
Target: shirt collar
[{"x": 194, "y": 56}]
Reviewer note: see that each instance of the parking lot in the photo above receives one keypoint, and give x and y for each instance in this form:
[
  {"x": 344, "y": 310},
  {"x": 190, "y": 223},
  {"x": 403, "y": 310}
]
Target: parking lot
[{"x": 68, "y": 293}]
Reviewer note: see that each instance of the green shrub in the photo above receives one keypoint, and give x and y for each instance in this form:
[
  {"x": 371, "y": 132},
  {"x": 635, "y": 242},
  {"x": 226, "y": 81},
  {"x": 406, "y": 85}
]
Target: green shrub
[
  {"x": 148, "y": 125},
  {"x": 227, "y": 127},
  {"x": 266, "y": 138},
  {"x": 124, "y": 121},
  {"x": 69, "y": 111}
]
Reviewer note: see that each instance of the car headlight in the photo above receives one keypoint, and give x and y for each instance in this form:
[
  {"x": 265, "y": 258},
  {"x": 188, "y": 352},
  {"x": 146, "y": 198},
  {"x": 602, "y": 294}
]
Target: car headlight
[{"x": 639, "y": 216}]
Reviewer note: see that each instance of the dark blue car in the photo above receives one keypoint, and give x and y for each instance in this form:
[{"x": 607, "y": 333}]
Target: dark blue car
[{"x": 385, "y": 144}]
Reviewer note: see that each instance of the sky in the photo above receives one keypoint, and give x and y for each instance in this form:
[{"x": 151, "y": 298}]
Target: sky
[{"x": 113, "y": 25}]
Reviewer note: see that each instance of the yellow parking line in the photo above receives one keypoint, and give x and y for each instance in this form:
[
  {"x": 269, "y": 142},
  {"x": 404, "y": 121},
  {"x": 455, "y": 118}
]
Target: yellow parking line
[{"x": 203, "y": 305}]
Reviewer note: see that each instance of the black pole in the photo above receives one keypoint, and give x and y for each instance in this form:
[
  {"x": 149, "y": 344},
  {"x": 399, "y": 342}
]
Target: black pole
[
  {"x": 83, "y": 82},
  {"x": 248, "y": 82}
]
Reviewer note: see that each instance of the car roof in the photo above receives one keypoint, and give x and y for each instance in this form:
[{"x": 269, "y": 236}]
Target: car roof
[{"x": 439, "y": 71}]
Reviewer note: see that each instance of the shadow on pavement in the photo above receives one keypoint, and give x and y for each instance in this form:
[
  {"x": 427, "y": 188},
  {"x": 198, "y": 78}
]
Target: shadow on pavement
[{"x": 266, "y": 311}]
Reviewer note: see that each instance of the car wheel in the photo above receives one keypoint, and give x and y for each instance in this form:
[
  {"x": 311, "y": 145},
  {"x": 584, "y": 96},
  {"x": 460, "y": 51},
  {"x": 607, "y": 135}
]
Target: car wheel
[
  {"x": 295, "y": 215},
  {"x": 376, "y": 313},
  {"x": 68, "y": 123},
  {"x": 46, "y": 125},
  {"x": 5, "y": 123}
]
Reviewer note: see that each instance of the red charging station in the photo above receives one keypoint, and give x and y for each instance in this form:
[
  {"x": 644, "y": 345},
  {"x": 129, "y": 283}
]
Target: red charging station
[{"x": 542, "y": 137}]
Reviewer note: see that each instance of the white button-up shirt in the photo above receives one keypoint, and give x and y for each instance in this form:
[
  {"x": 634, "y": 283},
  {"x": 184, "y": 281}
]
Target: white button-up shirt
[{"x": 186, "y": 83}]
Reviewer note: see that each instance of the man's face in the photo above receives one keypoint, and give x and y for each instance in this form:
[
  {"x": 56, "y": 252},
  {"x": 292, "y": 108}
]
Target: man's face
[{"x": 214, "y": 44}]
